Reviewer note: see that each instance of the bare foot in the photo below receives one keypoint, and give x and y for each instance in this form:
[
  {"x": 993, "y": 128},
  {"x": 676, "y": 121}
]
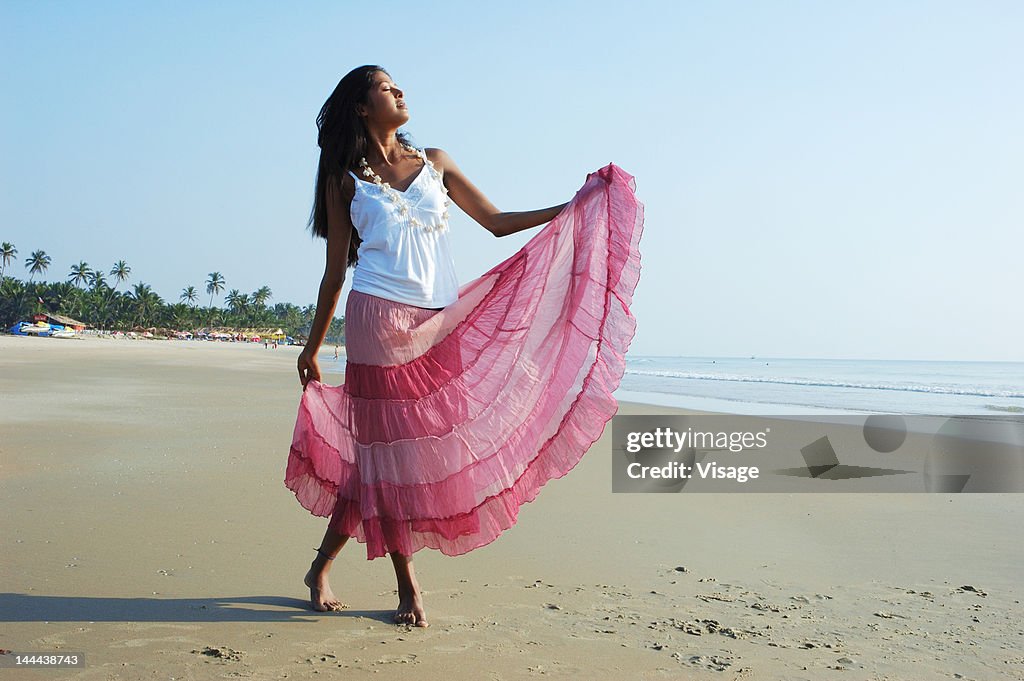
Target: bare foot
[
  {"x": 410, "y": 610},
  {"x": 321, "y": 598}
]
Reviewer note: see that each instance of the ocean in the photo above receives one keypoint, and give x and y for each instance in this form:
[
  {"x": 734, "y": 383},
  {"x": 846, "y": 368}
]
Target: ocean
[
  {"x": 767, "y": 385},
  {"x": 773, "y": 386}
]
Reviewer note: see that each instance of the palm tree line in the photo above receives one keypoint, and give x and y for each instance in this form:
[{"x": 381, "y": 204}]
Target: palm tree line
[{"x": 88, "y": 297}]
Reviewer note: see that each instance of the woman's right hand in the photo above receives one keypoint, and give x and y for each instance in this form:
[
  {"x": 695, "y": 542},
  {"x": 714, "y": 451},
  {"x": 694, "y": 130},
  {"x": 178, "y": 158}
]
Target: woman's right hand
[{"x": 309, "y": 368}]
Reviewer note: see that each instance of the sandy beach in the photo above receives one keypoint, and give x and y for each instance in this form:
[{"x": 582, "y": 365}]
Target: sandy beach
[{"x": 147, "y": 526}]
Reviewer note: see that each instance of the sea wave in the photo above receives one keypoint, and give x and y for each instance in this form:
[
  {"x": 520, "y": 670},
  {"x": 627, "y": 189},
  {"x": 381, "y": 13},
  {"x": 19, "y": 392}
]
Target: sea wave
[{"x": 898, "y": 387}]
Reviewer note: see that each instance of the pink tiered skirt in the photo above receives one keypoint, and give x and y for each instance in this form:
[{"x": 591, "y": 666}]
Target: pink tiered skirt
[{"x": 448, "y": 421}]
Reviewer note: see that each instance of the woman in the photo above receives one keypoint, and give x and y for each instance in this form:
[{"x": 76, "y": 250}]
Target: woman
[{"x": 458, "y": 403}]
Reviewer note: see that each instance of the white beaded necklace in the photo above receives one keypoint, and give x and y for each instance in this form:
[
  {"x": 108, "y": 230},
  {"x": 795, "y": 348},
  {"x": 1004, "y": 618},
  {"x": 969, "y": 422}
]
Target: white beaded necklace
[{"x": 398, "y": 199}]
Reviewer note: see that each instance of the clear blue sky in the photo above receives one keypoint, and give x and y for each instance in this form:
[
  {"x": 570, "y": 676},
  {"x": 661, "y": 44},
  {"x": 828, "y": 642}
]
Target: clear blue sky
[{"x": 822, "y": 179}]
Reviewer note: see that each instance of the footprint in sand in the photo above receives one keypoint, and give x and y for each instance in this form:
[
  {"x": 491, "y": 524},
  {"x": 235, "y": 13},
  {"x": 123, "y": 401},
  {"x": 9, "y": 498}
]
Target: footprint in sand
[
  {"x": 396, "y": 659},
  {"x": 889, "y": 615},
  {"x": 222, "y": 653},
  {"x": 716, "y": 663}
]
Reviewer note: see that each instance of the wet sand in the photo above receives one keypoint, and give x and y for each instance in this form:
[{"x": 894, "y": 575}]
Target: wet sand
[{"x": 147, "y": 526}]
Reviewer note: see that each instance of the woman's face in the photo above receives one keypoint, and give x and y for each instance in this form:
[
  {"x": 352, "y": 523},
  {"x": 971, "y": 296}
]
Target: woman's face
[{"x": 385, "y": 102}]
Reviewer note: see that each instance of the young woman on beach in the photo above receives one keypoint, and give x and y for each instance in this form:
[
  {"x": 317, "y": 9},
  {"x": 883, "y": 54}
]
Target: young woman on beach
[{"x": 458, "y": 404}]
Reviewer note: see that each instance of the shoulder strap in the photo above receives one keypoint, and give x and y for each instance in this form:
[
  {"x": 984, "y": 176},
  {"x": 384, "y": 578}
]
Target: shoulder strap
[{"x": 356, "y": 182}]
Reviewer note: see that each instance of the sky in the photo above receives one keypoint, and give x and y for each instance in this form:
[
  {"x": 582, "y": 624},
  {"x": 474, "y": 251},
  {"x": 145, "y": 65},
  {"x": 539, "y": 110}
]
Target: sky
[{"x": 820, "y": 179}]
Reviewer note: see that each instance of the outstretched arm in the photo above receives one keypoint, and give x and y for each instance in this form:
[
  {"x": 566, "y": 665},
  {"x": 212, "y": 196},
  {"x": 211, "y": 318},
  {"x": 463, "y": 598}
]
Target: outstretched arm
[{"x": 477, "y": 206}]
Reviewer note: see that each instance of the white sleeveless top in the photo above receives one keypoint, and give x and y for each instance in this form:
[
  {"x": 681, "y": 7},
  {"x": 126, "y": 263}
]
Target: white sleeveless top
[{"x": 405, "y": 254}]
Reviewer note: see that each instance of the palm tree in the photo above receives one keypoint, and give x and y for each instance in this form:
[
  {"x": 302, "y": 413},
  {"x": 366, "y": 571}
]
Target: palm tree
[
  {"x": 308, "y": 313},
  {"x": 96, "y": 280},
  {"x": 261, "y": 295},
  {"x": 100, "y": 300},
  {"x": 146, "y": 302},
  {"x": 120, "y": 272},
  {"x": 96, "y": 300},
  {"x": 139, "y": 297},
  {"x": 37, "y": 262},
  {"x": 7, "y": 253},
  {"x": 10, "y": 288},
  {"x": 215, "y": 284},
  {"x": 180, "y": 315},
  {"x": 236, "y": 300},
  {"x": 259, "y": 300},
  {"x": 119, "y": 308},
  {"x": 12, "y": 301},
  {"x": 189, "y": 295},
  {"x": 79, "y": 273},
  {"x": 60, "y": 297}
]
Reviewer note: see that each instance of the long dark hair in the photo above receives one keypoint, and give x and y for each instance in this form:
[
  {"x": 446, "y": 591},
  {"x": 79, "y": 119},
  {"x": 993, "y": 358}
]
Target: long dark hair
[{"x": 342, "y": 140}]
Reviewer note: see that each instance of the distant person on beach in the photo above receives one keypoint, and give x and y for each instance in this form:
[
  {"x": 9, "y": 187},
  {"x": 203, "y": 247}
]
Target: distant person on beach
[
  {"x": 458, "y": 404},
  {"x": 335, "y": 353}
]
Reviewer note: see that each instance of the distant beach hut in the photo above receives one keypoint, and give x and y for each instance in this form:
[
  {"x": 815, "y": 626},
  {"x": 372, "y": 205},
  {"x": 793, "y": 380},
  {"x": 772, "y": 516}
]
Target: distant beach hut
[{"x": 59, "y": 320}]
